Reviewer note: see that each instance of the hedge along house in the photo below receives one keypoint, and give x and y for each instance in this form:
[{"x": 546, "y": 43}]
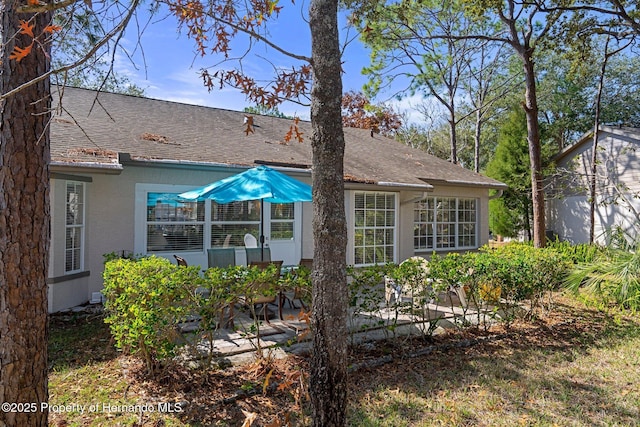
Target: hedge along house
[
  {"x": 118, "y": 162},
  {"x": 617, "y": 187}
]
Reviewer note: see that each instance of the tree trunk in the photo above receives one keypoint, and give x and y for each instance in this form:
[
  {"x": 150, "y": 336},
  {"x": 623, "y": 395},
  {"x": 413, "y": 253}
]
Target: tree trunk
[
  {"x": 453, "y": 137},
  {"x": 535, "y": 156},
  {"x": 328, "y": 381},
  {"x": 476, "y": 141},
  {"x": 24, "y": 223},
  {"x": 594, "y": 146}
]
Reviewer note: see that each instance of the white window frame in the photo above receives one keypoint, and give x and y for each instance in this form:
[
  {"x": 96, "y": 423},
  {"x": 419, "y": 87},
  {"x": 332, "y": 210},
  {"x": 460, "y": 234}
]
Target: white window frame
[
  {"x": 437, "y": 220},
  {"x": 78, "y": 241},
  {"x": 140, "y": 239},
  {"x": 290, "y": 220},
  {"x": 170, "y": 222},
  {"x": 211, "y": 223},
  {"x": 375, "y": 227}
]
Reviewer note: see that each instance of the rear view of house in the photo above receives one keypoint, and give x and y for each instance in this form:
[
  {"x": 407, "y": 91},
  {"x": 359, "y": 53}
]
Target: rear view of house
[{"x": 119, "y": 162}]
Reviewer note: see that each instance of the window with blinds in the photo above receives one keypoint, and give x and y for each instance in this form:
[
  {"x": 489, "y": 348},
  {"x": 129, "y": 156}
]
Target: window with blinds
[
  {"x": 74, "y": 227},
  {"x": 173, "y": 224},
  {"x": 282, "y": 221},
  {"x": 231, "y": 221}
]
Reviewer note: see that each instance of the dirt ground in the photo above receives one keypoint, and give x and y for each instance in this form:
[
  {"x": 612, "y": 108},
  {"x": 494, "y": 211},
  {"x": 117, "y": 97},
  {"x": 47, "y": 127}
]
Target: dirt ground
[{"x": 274, "y": 392}]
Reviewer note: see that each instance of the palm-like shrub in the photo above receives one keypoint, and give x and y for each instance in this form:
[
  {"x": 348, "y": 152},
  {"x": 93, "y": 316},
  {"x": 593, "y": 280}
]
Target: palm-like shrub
[{"x": 611, "y": 278}]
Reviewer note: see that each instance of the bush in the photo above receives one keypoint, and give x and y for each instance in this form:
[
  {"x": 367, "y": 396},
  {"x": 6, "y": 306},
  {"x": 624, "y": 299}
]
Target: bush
[
  {"x": 366, "y": 293},
  {"x": 504, "y": 277},
  {"x": 517, "y": 272},
  {"x": 577, "y": 254},
  {"x": 612, "y": 278},
  {"x": 145, "y": 300},
  {"x": 419, "y": 281}
]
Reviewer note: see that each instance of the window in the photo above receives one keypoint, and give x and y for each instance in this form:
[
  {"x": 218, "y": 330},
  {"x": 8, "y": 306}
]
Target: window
[
  {"x": 374, "y": 231},
  {"x": 231, "y": 221},
  {"x": 467, "y": 223},
  {"x": 282, "y": 219},
  {"x": 445, "y": 223},
  {"x": 74, "y": 227},
  {"x": 173, "y": 224}
]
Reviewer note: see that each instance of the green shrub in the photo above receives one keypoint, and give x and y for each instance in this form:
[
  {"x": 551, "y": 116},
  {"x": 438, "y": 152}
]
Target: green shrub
[
  {"x": 612, "y": 278},
  {"x": 577, "y": 254},
  {"x": 366, "y": 293},
  {"x": 419, "y": 281},
  {"x": 145, "y": 300},
  {"x": 519, "y": 272},
  {"x": 503, "y": 278},
  {"x": 299, "y": 282}
]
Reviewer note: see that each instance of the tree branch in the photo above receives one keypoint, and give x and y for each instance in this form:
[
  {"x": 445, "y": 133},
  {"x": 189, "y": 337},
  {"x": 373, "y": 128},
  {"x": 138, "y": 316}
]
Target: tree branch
[
  {"x": 111, "y": 34},
  {"x": 44, "y": 7},
  {"x": 250, "y": 33}
]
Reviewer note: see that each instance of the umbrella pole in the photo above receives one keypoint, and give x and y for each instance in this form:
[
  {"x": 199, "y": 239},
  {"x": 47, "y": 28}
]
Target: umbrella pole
[{"x": 262, "y": 230}]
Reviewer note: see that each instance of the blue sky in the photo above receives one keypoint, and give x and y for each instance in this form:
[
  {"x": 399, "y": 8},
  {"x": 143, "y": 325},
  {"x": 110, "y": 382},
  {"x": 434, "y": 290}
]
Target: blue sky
[{"x": 172, "y": 67}]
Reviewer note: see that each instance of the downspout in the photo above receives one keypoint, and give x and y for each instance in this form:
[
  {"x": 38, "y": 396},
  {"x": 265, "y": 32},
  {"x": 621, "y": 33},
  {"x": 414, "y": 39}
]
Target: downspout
[
  {"x": 497, "y": 195},
  {"x": 415, "y": 199}
]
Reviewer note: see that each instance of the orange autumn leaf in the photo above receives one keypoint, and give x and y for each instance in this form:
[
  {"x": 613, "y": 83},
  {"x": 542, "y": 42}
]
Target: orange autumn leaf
[
  {"x": 19, "y": 53},
  {"x": 265, "y": 385},
  {"x": 248, "y": 121},
  {"x": 25, "y": 28},
  {"x": 52, "y": 29}
]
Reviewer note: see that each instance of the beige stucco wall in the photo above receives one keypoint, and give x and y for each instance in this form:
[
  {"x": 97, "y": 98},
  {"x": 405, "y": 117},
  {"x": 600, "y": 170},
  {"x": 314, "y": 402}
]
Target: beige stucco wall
[
  {"x": 110, "y": 222},
  {"x": 115, "y": 223}
]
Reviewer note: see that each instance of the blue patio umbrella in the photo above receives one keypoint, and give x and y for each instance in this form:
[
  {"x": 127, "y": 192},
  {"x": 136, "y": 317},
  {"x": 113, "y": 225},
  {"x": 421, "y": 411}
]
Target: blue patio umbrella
[{"x": 259, "y": 183}]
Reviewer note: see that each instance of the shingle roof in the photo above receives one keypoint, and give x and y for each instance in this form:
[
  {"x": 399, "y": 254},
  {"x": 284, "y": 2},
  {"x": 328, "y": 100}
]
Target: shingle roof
[{"x": 90, "y": 129}]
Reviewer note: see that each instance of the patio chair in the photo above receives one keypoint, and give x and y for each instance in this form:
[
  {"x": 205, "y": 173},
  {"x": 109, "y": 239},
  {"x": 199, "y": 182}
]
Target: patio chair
[
  {"x": 263, "y": 300},
  {"x": 221, "y": 257},
  {"x": 297, "y": 293},
  {"x": 181, "y": 261},
  {"x": 204, "y": 292},
  {"x": 258, "y": 254},
  {"x": 199, "y": 291},
  {"x": 250, "y": 241},
  {"x": 419, "y": 296},
  {"x": 306, "y": 262}
]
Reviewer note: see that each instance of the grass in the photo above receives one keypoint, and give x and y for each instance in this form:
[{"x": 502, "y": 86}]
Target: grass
[
  {"x": 577, "y": 373},
  {"x": 575, "y": 367}
]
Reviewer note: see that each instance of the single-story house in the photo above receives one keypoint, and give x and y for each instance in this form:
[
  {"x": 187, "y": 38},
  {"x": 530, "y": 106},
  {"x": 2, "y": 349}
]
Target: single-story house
[
  {"x": 617, "y": 186},
  {"x": 118, "y": 161}
]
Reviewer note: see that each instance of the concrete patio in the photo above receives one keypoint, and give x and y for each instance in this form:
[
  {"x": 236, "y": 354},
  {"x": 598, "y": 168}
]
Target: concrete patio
[{"x": 291, "y": 334}]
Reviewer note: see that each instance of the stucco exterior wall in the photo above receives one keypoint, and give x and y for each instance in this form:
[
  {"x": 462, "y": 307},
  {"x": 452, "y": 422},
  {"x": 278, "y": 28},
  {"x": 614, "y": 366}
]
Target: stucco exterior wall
[
  {"x": 111, "y": 214},
  {"x": 116, "y": 214}
]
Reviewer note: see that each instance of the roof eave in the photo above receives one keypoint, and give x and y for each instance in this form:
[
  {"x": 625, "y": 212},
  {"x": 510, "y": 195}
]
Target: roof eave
[
  {"x": 94, "y": 167},
  {"x": 497, "y": 185}
]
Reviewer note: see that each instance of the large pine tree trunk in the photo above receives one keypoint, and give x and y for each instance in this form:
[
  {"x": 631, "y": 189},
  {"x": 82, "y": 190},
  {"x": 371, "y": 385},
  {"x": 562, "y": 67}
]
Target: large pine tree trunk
[
  {"x": 328, "y": 382},
  {"x": 24, "y": 223},
  {"x": 535, "y": 156}
]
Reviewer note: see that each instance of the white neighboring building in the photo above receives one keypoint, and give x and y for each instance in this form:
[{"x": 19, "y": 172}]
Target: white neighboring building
[{"x": 617, "y": 187}]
